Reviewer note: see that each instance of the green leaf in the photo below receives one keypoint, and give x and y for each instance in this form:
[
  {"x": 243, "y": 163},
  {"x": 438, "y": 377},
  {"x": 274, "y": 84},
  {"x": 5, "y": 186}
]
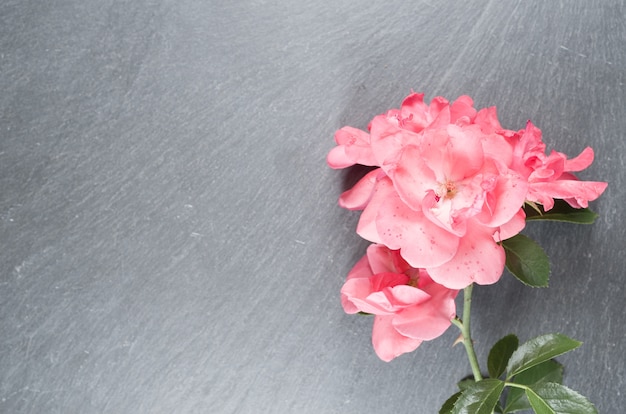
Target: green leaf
[
  {"x": 549, "y": 371},
  {"x": 560, "y": 212},
  {"x": 538, "y": 405},
  {"x": 551, "y": 398},
  {"x": 479, "y": 398},
  {"x": 448, "y": 406},
  {"x": 518, "y": 401},
  {"x": 527, "y": 261},
  {"x": 465, "y": 383},
  {"x": 538, "y": 350},
  {"x": 499, "y": 355}
]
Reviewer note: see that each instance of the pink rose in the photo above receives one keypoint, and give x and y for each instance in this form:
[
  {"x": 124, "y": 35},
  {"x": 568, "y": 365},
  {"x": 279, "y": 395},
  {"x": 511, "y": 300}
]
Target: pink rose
[
  {"x": 550, "y": 176},
  {"x": 409, "y": 307},
  {"x": 353, "y": 147},
  {"x": 441, "y": 200},
  {"x": 451, "y": 183}
]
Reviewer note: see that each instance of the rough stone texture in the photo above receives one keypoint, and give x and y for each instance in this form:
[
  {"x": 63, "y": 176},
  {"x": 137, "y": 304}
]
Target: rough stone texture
[{"x": 170, "y": 235}]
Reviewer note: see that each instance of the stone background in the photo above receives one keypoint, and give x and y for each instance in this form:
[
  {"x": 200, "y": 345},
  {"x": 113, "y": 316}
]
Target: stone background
[{"x": 170, "y": 235}]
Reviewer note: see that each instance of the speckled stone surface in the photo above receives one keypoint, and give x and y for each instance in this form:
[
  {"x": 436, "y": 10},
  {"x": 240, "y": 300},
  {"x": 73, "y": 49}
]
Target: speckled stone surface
[{"x": 170, "y": 235}]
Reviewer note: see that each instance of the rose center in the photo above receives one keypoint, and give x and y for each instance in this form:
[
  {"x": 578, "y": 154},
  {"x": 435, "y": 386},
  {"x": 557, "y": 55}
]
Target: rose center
[{"x": 446, "y": 190}]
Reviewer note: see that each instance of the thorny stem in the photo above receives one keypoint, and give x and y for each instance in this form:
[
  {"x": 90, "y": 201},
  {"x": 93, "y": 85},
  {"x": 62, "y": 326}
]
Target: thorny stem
[{"x": 464, "y": 326}]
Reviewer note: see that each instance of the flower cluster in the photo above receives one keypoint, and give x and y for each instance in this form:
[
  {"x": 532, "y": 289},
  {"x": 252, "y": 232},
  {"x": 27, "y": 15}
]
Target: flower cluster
[{"x": 448, "y": 188}]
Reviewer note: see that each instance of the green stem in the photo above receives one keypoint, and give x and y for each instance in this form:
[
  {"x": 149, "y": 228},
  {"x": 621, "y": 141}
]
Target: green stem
[
  {"x": 464, "y": 326},
  {"x": 512, "y": 384}
]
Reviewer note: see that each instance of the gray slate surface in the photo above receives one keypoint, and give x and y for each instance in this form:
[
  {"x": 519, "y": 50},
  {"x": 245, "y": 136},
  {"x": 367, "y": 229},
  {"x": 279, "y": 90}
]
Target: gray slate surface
[{"x": 170, "y": 235}]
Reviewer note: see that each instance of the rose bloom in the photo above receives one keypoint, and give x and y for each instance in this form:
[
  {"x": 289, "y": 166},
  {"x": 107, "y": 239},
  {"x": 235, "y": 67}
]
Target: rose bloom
[
  {"x": 409, "y": 307},
  {"x": 450, "y": 185},
  {"x": 438, "y": 196},
  {"x": 550, "y": 176}
]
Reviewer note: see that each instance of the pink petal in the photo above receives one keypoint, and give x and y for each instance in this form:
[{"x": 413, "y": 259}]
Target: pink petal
[
  {"x": 550, "y": 169},
  {"x": 416, "y": 115},
  {"x": 414, "y": 103},
  {"x": 373, "y": 295},
  {"x": 427, "y": 321},
  {"x": 487, "y": 119},
  {"x": 478, "y": 259},
  {"x": 453, "y": 154},
  {"x": 512, "y": 227},
  {"x": 581, "y": 191},
  {"x": 353, "y": 293},
  {"x": 439, "y": 111},
  {"x": 386, "y": 281},
  {"x": 405, "y": 295},
  {"x": 348, "y": 306},
  {"x": 465, "y": 153},
  {"x": 463, "y": 107},
  {"x": 338, "y": 159},
  {"x": 505, "y": 200},
  {"x": 413, "y": 178},
  {"x": 382, "y": 260},
  {"x": 379, "y": 257},
  {"x": 358, "y": 196},
  {"x": 527, "y": 149},
  {"x": 367, "y": 227},
  {"x": 430, "y": 319},
  {"x": 497, "y": 147},
  {"x": 438, "y": 293},
  {"x": 421, "y": 242},
  {"x": 388, "y": 343},
  {"x": 414, "y": 109},
  {"x": 434, "y": 152},
  {"x": 388, "y": 138},
  {"x": 441, "y": 212},
  {"x": 357, "y": 145},
  {"x": 361, "y": 269},
  {"x": 582, "y": 161}
]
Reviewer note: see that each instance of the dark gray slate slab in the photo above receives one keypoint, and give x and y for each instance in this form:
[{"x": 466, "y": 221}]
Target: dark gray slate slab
[{"x": 170, "y": 235}]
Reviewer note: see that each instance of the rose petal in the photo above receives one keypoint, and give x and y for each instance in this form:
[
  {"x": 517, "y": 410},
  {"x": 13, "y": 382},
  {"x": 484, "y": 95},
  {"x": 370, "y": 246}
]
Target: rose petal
[
  {"x": 487, "y": 119},
  {"x": 580, "y": 191},
  {"x": 361, "y": 269},
  {"x": 367, "y": 227},
  {"x": 337, "y": 158},
  {"x": 463, "y": 107},
  {"x": 357, "y": 145},
  {"x": 498, "y": 148},
  {"x": 421, "y": 242},
  {"x": 374, "y": 295},
  {"x": 505, "y": 200},
  {"x": 388, "y": 138},
  {"x": 358, "y": 196},
  {"x": 388, "y": 343},
  {"x": 582, "y": 161},
  {"x": 412, "y": 177},
  {"x": 427, "y": 321},
  {"x": 511, "y": 227},
  {"x": 478, "y": 259},
  {"x": 465, "y": 154},
  {"x": 353, "y": 148},
  {"x": 382, "y": 260},
  {"x": 405, "y": 295}
]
